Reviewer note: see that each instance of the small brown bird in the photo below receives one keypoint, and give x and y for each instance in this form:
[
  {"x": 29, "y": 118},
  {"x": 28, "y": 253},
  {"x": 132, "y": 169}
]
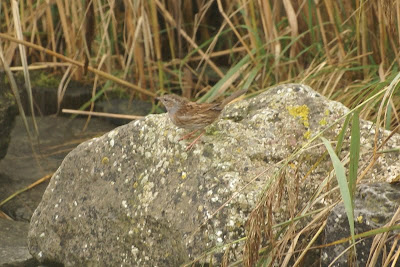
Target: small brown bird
[{"x": 194, "y": 116}]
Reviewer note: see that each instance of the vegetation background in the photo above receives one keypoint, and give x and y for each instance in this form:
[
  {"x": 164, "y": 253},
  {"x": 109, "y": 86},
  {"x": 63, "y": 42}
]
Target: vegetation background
[{"x": 346, "y": 50}]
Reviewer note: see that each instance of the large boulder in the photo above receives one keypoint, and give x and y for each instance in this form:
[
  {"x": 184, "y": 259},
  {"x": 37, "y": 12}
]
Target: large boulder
[
  {"x": 13, "y": 244},
  {"x": 135, "y": 197},
  {"x": 8, "y": 111},
  {"x": 374, "y": 207}
]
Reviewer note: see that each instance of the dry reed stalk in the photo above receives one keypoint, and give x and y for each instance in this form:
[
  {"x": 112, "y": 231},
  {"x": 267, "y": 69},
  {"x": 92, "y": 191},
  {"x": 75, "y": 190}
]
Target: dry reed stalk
[
  {"x": 233, "y": 28},
  {"x": 380, "y": 241},
  {"x": 200, "y": 17},
  {"x": 24, "y": 61},
  {"x": 259, "y": 226},
  {"x": 382, "y": 37},
  {"x": 187, "y": 83},
  {"x": 65, "y": 26},
  {"x": 171, "y": 40},
  {"x": 393, "y": 257},
  {"x": 14, "y": 89},
  {"x": 252, "y": 23},
  {"x": 11, "y": 49},
  {"x": 93, "y": 94},
  {"x": 49, "y": 28},
  {"x": 364, "y": 36},
  {"x": 134, "y": 46},
  {"x": 79, "y": 64},
  {"x": 330, "y": 10},
  {"x": 398, "y": 21},
  {"x": 174, "y": 7},
  {"x": 323, "y": 35},
  {"x": 157, "y": 43},
  {"x": 114, "y": 27},
  {"x": 101, "y": 114},
  {"x": 318, "y": 221},
  {"x": 294, "y": 29},
  {"x": 105, "y": 43},
  {"x": 41, "y": 65},
  {"x": 148, "y": 49},
  {"x": 62, "y": 86},
  {"x": 170, "y": 20},
  {"x": 271, "y": 33}
]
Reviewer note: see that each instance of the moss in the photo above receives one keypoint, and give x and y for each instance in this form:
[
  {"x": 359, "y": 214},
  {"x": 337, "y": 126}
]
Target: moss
[
  {"x": 10, "y": 96},
  {"x": 44, "y": 80}
]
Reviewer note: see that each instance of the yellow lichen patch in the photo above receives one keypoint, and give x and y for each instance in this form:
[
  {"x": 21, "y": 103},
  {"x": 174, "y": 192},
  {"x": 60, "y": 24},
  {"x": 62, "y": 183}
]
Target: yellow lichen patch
[
  {"x": 322, "y": 122},
  {"x": 105, "y": 161},
  {"x": 307, "y": 134},
  {"x": 301, "y": 112},
  {"x": 135, "y": 185}
]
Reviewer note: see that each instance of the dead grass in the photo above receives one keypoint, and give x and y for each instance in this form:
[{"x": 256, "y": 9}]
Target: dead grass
[{"x": 347, "y": 50}]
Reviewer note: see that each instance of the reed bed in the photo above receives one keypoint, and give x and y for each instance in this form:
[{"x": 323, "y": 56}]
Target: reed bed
[{"x": 346, "y": 50}]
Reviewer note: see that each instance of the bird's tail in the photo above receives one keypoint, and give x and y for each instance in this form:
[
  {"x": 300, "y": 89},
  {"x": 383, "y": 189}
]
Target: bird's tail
[{"x": 232, "y": 97}]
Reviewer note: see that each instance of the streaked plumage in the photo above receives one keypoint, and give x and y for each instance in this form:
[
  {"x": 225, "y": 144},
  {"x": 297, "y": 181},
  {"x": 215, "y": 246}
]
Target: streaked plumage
[
  {"x": 194, "y": 116},
  {"x": 191, "y": 115}
]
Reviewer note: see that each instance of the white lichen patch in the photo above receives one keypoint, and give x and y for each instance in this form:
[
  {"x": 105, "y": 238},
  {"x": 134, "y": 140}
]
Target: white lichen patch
[
  {"x": 148, "y": 195},
  {"x": 112, "y": 133}
]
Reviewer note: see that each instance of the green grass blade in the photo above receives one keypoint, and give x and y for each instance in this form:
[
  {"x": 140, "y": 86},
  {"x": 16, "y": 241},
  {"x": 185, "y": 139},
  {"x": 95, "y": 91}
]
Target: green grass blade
[
  {"x": 342, "y": 134},
  {"x": 354, "y": 153},
  {"x": 252, "y": 75},
  {"x": 342, "y": 181},
  {"x": 230, "y": 76},
  {"x": 388, "y": 116}
]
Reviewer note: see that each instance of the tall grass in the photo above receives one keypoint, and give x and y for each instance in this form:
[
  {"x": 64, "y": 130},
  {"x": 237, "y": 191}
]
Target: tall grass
[
  {"x": 347, "y": 50},
  {"x": 344, "y": 49}
]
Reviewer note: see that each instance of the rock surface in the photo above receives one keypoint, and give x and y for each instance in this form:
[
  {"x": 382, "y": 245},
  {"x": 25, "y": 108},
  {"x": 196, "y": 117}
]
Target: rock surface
[
  {"x": 22, "y": 167},
  {"x": 13, "y": 245},
  {"x": 135, "y": 197},
  {"x": 374, "y": 206},
  {"x": 45, "y": 93},
  {"x": 123, "y": 106},
  {"x": 8, "y": 111}
]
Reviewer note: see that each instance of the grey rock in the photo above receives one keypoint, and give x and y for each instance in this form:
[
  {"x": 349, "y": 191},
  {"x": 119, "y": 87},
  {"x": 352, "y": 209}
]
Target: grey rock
[
  {"x": 13, "y": 245},
  {"x": 135, "y": 197},
  {"x": 374, "y": 206},
  {"x": 22, "y": 166},
  {"x": 45, "y": 93},
  {"x": 123, "y": 106},
  {"x": 8, "y": 111}
]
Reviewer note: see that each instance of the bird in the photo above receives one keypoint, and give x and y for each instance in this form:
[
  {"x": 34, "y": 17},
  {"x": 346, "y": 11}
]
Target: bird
[{"x": 194, "y": 116}]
